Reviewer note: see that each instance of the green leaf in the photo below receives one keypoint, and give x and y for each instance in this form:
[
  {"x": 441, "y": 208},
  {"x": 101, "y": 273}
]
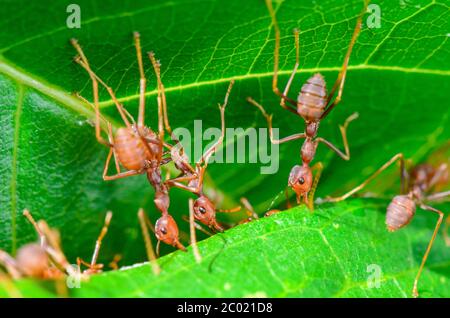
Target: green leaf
[
  {"x": 50, "y": 162},
  {"x": 291, "y": 254}
]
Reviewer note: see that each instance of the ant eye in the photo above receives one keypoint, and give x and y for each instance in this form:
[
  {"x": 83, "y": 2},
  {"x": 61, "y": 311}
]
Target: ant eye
[
  {"x": 301, "y": 180},
  {"x": 202, "y": 210},
  {"x": 163, "y": 230}
]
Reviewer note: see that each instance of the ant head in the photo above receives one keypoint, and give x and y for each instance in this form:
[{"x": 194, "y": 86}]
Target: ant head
[
  {"x": 300, "y": 180},
  {"x": 32, "y": 260},
  {"x": 205, "y": 212},
  {"x": 166, "y": 230}
]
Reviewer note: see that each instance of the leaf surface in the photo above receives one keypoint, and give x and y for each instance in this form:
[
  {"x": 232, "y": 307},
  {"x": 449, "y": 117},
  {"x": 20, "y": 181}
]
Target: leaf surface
[{"x": 398, "y": 81}]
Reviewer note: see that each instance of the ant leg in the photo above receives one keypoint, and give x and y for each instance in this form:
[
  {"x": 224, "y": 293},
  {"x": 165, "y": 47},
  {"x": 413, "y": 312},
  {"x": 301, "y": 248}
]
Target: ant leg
[
  {"x": 9, "y": 286},
  {"x": 319, "y": 167},
  {"x": 342, "y": 74},
  {"x": 438, "y": 196},
  {"x": 9, "y": 263},
  {"x": 197, "y": 226},
  {"x": 182, "y": 178},
  {"x": 276, "y": 58},
  {"x": 122, "y": 175},
  {"x": 161, "y": 91},
  {"x": 143, "y": 220},
  {"x": 425, "y": 256},
  {"x": 343, "y": 130},
  {"x": 59, "y": 259},
  {"x": 398, "y": 156},
  {"x": 181, "y": 186},
  {"x": 156, "y": 67},
  {"x": 98, "y": 243},
  {"x": 82, "y": 60},
  {"x": 446, "y": 228},
  {"x": 114, "y": 264},
  {"x": 250, "y": 210},
  {"x": 288, "y": 201},
  {"x": 269, "y": 124},
  {"x": 53, "y": 248},
  {"x": 142, "y": 80},
  {"x": 205, "y": 157},
  {"x": 232, "y": 210},
  {"x": 294, "y": 71},
  {"x": 98, "y": 116},
  {"x": 111, "y": 141},
  {"x": 441, "y": 172},
  {"x": 193, "y": 239},
  {"x": 30, "y": 218}
]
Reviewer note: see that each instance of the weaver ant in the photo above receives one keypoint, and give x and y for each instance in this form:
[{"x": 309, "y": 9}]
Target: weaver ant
[
  {"x": 313, "y": 105},
  {"x": 135, "y": 146},
  {"x": 204, "y": 210},
  {"x": 42, "y": 260},
  {"x": 416, "y": 187},
  {"x": 45, "y": 259}
]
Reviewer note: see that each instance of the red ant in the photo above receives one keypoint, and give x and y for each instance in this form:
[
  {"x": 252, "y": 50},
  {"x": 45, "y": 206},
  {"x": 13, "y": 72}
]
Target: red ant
[
  {"x": 43, "y": 260},
  {"x": 422, "y": 180},
  {"x": 313, "y": 105},
  {"x": 46, "y": 260},
  {"x": 136, "y": 147},
  {"x": 204, "y": 210}
]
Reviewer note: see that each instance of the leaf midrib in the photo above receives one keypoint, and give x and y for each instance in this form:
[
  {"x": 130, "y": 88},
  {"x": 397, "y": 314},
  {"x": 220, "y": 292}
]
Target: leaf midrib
[
  {"x": 60, "y": 95},
  {"x": 13, "y": 183}
]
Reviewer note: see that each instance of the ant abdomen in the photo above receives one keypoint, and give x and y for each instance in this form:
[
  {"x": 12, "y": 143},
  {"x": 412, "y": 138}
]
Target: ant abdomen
[
  {"x": 32, "y": 260},
  {"x": 400, "y": 212},
  {"x": 130, "y": 149},
  {"x": 312, "y": 98}
]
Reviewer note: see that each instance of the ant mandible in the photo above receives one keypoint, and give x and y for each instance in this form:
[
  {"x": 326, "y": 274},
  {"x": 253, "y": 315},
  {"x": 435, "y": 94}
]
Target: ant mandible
[{"x": 313, "y": 104}]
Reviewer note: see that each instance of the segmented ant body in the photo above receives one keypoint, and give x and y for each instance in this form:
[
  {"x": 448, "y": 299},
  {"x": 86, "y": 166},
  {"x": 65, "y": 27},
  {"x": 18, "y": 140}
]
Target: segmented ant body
[
  {"x": 204, "y": 210},
  {"x": 422, "y": 180},
  {"x": 313, "y": 105},
  {"x": 137, "y": 147},
  {"x": 43, "y": 260}
]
